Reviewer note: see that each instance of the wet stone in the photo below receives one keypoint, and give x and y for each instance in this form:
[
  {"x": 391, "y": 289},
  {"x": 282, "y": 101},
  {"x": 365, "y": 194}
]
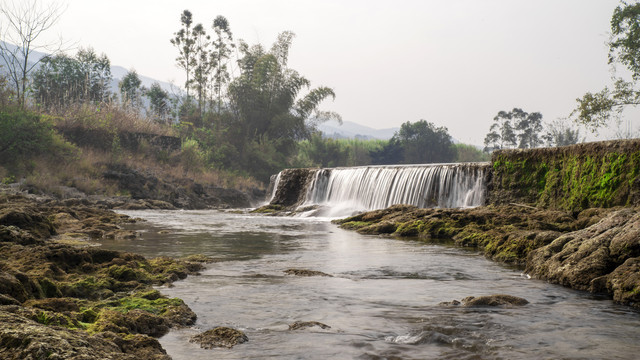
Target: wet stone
[
  {"x": 220, "y": 337},
  {"x": 305, "y": 272},
  {"x": 298, "y": 325}
]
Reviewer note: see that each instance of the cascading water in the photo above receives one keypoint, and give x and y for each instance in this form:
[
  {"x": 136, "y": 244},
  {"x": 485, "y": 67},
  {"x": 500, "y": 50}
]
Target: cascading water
[
  {"x": 273, "y": 186},
  {"x": 345, "y": 190}
]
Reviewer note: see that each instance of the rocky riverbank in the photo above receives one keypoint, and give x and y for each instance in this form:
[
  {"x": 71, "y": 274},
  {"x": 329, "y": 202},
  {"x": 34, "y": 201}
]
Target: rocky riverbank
[
  {"x": 61, "y": 297},
  {"x": 596, "y": 250}
]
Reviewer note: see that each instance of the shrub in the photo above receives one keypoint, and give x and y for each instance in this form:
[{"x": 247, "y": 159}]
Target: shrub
[{"x": 24, "y": 136}]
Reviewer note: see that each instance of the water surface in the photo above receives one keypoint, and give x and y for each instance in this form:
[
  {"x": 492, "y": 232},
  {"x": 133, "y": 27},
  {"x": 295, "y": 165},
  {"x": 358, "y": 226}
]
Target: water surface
[{"x": 381, "y": 303}]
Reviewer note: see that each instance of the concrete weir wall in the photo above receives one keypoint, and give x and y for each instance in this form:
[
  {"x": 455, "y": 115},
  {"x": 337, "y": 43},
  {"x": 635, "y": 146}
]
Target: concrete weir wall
[{"x": 573, "y": 178}]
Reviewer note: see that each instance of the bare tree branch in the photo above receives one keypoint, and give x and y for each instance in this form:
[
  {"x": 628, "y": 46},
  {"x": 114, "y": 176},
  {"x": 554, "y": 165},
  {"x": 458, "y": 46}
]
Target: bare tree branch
[{"x": 21, "y": 25}]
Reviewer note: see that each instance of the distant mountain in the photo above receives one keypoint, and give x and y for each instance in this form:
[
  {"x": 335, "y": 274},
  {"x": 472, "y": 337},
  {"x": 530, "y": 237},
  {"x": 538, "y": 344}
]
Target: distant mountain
[{"x": 350, "y": 130}]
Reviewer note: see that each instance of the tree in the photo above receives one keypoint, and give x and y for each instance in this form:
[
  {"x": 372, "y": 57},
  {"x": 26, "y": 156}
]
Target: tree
[
  {"x": 130, "y": 89},
  {"x": 202, "y": 66},
  {"x": 423, "y": 142},
  {"x": 158, "y": 102},
  {"x": 24, "y": 22},
  {"x": 514, "y": 127},
  {"x": 501, "y": 133},
  {"x": 223, "y": 44},
  {"x": 185, "y": 41},
  {"x": 559, "y": 133},
  {"x": 266, "y": 97},
  {"x": 62, "y": 80},
  {"x": 529, "y": 126},
  {"x": 596, "y": 110}
]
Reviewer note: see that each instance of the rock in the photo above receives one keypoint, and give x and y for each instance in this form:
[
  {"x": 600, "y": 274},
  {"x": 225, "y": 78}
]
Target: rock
[
  {"x": 292, "y": 187},
  {"x": 298, "y": 325},
  {"x": 305, "y": 272},
  {"x": 21, "y": 338},
  {"x": 220, "y": 337},
  {"x": 54, "y": 304},
  {"x": 624, "y": 282},
  {"x": 587, "y": 259},
  {"x": 8, "y": 300},
  {"x": 494, "y": 300},
  {"x": 135, "y": 322},
  {"x": 450, "y": 303}
]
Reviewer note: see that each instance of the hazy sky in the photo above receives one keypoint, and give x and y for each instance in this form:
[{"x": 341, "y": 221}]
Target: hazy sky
[{"x": 455, "y": 63}]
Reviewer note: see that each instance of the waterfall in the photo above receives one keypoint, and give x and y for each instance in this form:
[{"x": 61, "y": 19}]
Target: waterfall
[
  {"x": 273, "y": 186},
  {"x": 376, "y": 187}
]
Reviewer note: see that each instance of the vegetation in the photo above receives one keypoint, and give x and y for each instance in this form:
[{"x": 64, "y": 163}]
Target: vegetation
[
  {"x": 518, "y": 128},
  {"x": 598, "y": 109},
  {"x": 21, "y": 24},
  {"x": 571, "y": 180},
  {"x": 231, "y": 129}
]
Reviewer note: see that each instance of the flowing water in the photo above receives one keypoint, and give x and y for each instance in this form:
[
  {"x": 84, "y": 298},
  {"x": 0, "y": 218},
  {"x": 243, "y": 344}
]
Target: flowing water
[{"x": 381, "y": 303}]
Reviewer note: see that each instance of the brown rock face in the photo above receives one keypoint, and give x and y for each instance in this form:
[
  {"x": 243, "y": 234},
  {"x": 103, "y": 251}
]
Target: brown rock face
[
  {"x": 292, "y": 187},
  {"x": 604, "y": 257}
]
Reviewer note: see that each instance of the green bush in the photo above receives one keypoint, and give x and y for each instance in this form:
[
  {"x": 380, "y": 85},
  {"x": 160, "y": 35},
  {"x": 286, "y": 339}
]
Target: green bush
[{"x": 24, "y": 136}]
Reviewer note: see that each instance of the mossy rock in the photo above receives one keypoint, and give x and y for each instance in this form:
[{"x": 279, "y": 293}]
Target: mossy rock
[{"x": 220, "y": 337}]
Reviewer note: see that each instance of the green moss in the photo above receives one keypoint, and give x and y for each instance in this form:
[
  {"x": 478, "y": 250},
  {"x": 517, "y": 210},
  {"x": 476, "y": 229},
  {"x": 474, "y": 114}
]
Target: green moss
[
  {"x": 122, "y": 273},
  {"x": 267, "y": 209},
  {"x": 49, "y": 288},
  {"x": 568, "y": 180},
  {"x": 354, "y": 225},
  {"x": 157, "y": 306},
  {"x": 410, "y": 228}
]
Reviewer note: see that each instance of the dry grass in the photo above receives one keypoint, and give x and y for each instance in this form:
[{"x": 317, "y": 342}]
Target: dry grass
[
  {"x": 108, "y": 116},
  {"x": 83, "y": 173},
  {"x": 172, "y": 168}
]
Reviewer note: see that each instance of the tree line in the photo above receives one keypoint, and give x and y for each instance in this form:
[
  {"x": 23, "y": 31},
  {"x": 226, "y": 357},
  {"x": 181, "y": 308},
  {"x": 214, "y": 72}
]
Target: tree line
[{"x": 263, "y": 116}]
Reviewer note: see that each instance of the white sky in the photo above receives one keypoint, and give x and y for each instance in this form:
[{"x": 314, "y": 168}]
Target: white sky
[{"x": 455, "y": 63}]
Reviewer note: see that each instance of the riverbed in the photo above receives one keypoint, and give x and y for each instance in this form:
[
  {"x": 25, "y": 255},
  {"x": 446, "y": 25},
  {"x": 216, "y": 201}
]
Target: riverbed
[{"x": 381, "y": 301}]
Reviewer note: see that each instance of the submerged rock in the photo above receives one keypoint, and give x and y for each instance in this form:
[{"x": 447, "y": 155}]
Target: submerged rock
[
  {"x": 220, "y": 337},
  {"x": 487, "y": 300},
  {"x": 494, "y": 300},
  {"x": 298, "y": 325},
  {"x": 305, "y": 272}
]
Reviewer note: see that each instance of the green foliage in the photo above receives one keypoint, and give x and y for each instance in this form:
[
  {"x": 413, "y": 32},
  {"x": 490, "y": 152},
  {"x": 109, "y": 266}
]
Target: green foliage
[
  {"x": 191, "y": 155},
  {"x": 624, "y": 46},
  {"x": 130, "y": 89},
  {"x": 322, "y": 152},
  {"x": 423, "y": 142},
  {"x": 185, "y": 40},
  {"x": 470, "y": 153},
  {"x": 62, "y": 80},
  {"x": 597, "y": 109},
  {"x": 25, "y": 135},
  {"x": 560, "y": 134},
  {"x": 159, "y": 103},
  {"x": 223, "y": 45},
  {"x": 514, "y": 127},
  {"x": 265, "y": 96}
]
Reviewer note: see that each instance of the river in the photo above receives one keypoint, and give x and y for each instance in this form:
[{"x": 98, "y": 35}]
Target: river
[{"x": 382, "y": 301}]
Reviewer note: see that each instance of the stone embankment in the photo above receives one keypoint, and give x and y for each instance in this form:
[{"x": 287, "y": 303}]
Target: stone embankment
[{"x": 61, "y": 298}]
